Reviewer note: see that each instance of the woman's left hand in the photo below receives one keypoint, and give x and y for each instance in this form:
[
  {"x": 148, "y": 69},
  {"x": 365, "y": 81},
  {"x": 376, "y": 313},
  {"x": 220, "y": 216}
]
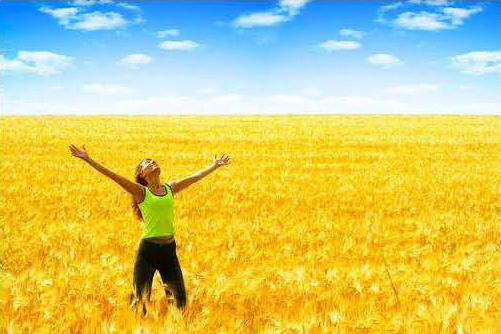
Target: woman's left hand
[{"x": 224, "y": 160}]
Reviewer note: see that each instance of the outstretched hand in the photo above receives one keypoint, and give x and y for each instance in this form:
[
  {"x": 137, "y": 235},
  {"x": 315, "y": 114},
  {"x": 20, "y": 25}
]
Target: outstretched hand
[
  {"x": 224, "y": 160},
  {"x": 82, "y": 154}
]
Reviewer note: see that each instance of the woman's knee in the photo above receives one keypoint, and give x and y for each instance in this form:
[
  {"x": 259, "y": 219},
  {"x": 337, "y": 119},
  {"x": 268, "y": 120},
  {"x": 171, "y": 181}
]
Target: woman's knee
[{"x": 177, "y": 289}]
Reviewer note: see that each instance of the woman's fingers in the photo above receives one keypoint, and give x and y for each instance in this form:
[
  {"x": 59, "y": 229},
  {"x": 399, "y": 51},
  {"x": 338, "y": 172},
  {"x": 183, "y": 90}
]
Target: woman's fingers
[
  {"x": 75, "y": 151},
  {"x": 224, "y": 158}
]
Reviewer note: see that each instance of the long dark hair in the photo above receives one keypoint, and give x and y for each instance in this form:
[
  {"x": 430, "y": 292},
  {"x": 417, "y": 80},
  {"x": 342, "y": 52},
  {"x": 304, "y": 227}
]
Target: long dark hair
[{"x": 139, "y": 179}]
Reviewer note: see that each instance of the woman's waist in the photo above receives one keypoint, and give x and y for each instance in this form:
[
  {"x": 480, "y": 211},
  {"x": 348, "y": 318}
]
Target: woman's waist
[{"x": 165, "y": 239}]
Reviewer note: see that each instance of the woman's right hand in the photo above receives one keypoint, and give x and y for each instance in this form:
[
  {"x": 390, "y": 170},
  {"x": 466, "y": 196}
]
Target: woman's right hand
[{"x": 82, "y": 154}]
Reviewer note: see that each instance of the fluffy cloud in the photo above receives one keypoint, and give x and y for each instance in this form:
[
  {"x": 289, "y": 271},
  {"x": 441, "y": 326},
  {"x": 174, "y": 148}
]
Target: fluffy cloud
[
  {"x": 292, "y": 7},
  {"x": 76, "y": 17},
  {"x": 447, "y": 18},
  {"x": 331, "y": 45},
  {"x": 450, "y": 18},
  {"x": 72, "y": 18},
  {"x": 107, "y": 89},
  {"x": 168, "y": 32},
  {"x": 478, "y": 62},
  {"x": 443, "y": 15},
  {"x": 38, "y": 62},
  {"x": 260, "y": 19},
  {"x": 285, "y": 11},
  {"x": 420, "y": 21},
  {"x": 133, "y": 61},
  {"x": 63, "y": 15},
  {"x": 351, "y": 33},
  {"x": 98, "y": 21},
  {"x": 413, "y": 89},
  {"x": 384, "y": 60},
  {"x": 458, "y": 15},
  {"x": 178, "y": 45}
]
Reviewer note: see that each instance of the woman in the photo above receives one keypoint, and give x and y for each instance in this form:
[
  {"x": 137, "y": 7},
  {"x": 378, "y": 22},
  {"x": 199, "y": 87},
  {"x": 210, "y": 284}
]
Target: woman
[{"x": 152, "y": 202}]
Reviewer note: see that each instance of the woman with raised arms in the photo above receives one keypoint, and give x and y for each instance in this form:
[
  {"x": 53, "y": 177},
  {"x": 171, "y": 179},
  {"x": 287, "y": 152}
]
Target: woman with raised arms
[{"x": 152, "y": 203}]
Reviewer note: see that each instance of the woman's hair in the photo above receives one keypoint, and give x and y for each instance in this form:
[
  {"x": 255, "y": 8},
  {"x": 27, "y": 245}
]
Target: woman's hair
[{"x": 139, "y": 179}]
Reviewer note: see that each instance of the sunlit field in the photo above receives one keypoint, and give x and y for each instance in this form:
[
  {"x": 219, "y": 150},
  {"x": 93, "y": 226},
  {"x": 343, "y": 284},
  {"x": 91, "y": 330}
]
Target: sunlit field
[{"x": 320, "y": 224}]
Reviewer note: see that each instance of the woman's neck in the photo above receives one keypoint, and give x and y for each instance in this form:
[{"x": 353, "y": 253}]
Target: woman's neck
[{"x": 155, "y": 185}]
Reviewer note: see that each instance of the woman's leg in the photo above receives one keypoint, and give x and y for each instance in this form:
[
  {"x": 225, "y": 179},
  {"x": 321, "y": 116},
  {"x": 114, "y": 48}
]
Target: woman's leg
[
  {"x": 171, "y": 274},
  {"x": 144, "y": 271}
]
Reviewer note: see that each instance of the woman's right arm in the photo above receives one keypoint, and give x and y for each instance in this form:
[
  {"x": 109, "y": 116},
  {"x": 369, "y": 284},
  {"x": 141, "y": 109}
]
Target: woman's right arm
[{"x": 132, "y": 188}]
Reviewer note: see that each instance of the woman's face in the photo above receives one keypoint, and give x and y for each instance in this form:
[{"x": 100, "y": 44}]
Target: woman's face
[{"x": 149, "y": 166}]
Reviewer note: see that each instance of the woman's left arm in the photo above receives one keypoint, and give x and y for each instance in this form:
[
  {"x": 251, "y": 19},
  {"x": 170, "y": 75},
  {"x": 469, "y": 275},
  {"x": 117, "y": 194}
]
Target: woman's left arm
[{"x": 177, "y": 186}]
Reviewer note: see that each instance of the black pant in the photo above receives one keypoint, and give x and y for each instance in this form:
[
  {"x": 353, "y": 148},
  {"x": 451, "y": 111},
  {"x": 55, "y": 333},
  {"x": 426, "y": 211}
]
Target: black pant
[{"x": 151, "y": 257}]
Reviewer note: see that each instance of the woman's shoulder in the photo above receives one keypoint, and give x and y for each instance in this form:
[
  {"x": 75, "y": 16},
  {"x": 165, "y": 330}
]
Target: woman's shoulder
[
  {"x": 170, "y": 184},
  {"x": 144, "y": 195}
]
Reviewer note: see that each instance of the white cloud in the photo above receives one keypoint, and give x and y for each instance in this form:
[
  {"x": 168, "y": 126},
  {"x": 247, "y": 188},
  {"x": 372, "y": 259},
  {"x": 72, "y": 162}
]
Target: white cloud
[
  {"x": 331, "y": 45},
  {"x": 107, "y": 89},
  {"x": 432, "y": 2},
  {"x": 133, "y": 61},
  {"x": 127, "y": 6},
  {"x": 168, "y": 32},
  {"x": 478, "y": 62},
  {"x": 285, "y": 11},
  {"x": 389, "y": 7},
  {"x": 448, "y": 18},
  {"x": 259, "y": 19},
  {"x": 63, "y": 15},
  {"x": 442, "y": 15},
  {"x": 98, "y": 21},
  {"x": 72, "y": 18},
  {"x": 386, "y": 8},
  {"x": 292, "y": 7},
  {"x": 421, "y": 21},
  {"x": 90, "y": 2},
  {"x": 38, "y": 62},
  {"x": 413, "y": 89},
  {"x": 351, "y": 33},
  {"x": 384, "y": 60},
  {"x": 458, "y": 15},
  {"x": 178, "y": 45}
]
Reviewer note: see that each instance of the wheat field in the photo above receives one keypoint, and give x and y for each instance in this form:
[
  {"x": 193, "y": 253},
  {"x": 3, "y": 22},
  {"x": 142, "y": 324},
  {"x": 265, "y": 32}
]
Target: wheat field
[{"x": 320, "y": 224}]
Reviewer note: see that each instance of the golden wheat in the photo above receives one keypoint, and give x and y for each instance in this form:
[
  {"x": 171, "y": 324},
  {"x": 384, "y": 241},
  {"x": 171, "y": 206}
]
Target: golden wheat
[{"x": 321, "y": 224}]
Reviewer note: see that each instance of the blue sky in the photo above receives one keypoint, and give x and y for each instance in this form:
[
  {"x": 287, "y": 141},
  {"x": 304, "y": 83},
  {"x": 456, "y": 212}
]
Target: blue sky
[{"x": 231, "y": 57}]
